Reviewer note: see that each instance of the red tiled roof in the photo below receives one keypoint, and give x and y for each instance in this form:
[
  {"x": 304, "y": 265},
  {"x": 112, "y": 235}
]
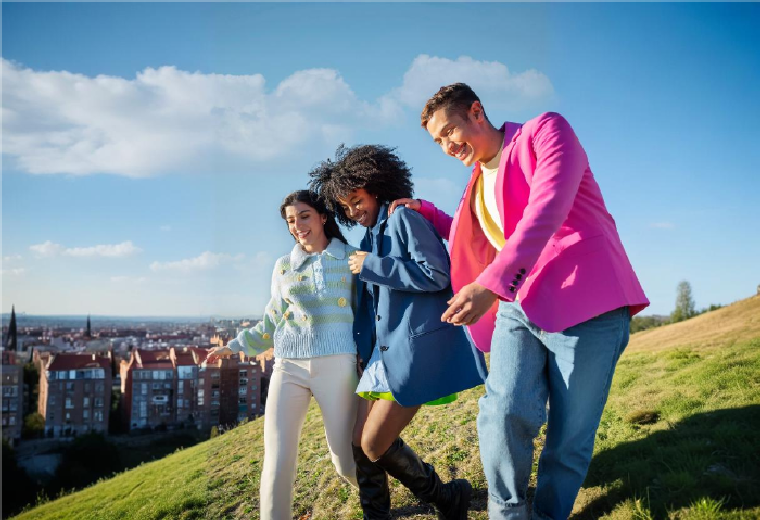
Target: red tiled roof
[
  {"x": 158, "y": 358},
  {"x": 77, "y": 361}
]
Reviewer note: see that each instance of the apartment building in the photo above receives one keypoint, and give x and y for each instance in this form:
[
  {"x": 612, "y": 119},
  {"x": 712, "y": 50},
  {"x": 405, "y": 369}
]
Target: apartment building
[
  {"x": 148, "y": 382},
  {"x": 75, "y": 394},
  {"x": 229, "y": 390},
  {"x": 12, "y": 398}
]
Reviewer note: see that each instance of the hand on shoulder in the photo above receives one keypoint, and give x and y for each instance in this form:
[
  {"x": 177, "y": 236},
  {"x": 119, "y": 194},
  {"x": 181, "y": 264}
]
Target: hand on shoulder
[{"x": 414, "y": 204}]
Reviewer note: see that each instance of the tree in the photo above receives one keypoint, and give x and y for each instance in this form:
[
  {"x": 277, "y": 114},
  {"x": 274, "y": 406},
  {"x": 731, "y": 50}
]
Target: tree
[
  {"x": 684, "y": 303},
  {"x": 34, "y": 426}
]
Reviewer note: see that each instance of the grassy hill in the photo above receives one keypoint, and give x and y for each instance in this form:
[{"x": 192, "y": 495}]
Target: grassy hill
[{"x": 678, "y": 440}]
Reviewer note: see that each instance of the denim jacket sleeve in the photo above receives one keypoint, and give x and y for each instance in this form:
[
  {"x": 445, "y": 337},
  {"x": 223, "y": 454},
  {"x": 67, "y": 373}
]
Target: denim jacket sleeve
[{"x": 426, "y": 269}]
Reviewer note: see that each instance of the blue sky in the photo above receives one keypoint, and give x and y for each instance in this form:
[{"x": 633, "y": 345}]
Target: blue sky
[{"x": 146, "y": 147}]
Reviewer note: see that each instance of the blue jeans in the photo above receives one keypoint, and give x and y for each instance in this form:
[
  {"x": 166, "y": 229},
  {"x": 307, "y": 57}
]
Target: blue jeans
[{"x": 571, "y": 369}]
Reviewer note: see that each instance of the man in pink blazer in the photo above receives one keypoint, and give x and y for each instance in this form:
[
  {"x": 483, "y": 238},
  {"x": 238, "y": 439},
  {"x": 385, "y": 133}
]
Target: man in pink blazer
[{"x": 542, "y": 281}]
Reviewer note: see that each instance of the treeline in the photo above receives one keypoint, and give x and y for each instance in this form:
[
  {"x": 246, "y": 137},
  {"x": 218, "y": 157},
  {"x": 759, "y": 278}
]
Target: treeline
[{"x": 684, "y": 310}]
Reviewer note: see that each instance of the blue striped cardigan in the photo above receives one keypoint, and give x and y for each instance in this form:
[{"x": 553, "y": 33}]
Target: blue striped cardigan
[{"x": 311, "y": 311}]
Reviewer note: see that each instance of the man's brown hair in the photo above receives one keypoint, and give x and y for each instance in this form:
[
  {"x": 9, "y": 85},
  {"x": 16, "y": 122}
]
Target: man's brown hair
[{"x": 456, "y": 97}]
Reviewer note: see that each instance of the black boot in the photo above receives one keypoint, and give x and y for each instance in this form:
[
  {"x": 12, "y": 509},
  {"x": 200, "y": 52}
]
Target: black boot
[
  {"x": 451, "y": 500},
  {"x": 374, "y": 494}
]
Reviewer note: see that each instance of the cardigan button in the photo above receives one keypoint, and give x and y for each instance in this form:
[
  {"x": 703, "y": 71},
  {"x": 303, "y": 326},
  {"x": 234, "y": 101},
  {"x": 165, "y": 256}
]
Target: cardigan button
[
  {"x": 266, "y": 335},
  {"x": 342, "y": 302},
  {"x": 343, "y": 279},
  {"x": 383, "y": 349},
  {"x": 304, "y": 318}
]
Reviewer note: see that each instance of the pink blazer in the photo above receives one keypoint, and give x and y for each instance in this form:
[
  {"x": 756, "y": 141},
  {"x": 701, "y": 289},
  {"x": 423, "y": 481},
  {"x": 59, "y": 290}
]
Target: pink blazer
[{"x": 563, "y": 255}]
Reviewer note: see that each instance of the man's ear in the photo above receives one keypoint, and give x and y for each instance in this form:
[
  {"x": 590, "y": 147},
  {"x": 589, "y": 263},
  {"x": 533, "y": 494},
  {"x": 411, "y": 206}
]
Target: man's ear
[{"x": 477, "y": 112}]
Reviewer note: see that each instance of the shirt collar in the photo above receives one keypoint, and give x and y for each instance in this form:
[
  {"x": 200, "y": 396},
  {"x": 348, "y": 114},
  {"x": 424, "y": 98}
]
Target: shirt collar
[{"x": 335, "y": 249}]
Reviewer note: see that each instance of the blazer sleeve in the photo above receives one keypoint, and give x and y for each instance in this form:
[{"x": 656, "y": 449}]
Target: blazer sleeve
[
  {"x": 560, "y": 165},
  {"x": 426, "y": 269},
  {"x": 440, "y": 219},
  {"x": 260, "y": 337}
]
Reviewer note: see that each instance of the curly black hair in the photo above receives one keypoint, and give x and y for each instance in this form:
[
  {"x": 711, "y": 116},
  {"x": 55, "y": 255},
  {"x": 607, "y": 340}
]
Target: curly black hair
[{"x": 372, "y": 167}]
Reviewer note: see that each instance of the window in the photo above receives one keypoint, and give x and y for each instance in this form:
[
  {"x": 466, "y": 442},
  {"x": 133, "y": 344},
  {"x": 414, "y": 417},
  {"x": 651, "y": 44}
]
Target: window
[
  {"x": 214, "y": 375},
  {"x": 87, "y": 387},
  {"x": 85, "y": 414},
  {"x": 180, "y": 386},
  {"x": 143, "y": 409},
  {"x": 144, "y": 388},
  {"x": 98, "y": 402},
  {"x": 86, "y": 402},
  {"x": 214, "y": 393},
  {"x": 14, "y": 406},
  {"x": 69, "y": 387},
  {"x": 156, "y": 386},
  {"x": 243, "y": 382},
  {"x": 185, "y": 372},
  {"x": 68, "y": 417},
  {"x": 98, "y": 416},
  {"x": 11, "y": 420},
  {"x": 99, "y": 388},
  {"x": 242, "y": 390},
  {"x": 69, "y": 404},
  {"x": 51, "y": 400},
  {"x": 242, "y": 400},
  {"x": 179, "y": 403},
  {"x": 50, "y": 375},
  {"x": 201, "y": 381},
  {"x": 243, "y": 373},
  {"x": 201, "y": 396}
]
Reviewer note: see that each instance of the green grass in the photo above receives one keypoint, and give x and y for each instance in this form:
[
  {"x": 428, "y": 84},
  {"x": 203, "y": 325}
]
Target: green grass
[{"x": 678, "y": 440}]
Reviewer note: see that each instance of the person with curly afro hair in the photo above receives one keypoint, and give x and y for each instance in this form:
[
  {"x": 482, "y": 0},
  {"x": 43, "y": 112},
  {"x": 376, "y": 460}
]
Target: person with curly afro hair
[{"x": 413, "y": 357}]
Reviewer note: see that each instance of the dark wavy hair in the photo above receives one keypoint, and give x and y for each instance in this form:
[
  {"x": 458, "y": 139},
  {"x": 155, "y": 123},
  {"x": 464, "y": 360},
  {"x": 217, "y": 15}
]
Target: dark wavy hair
[
  {"x": 372, "y": 167},
  {"x": 456, "y": 98},
  {"x": 312, "y": 199}
]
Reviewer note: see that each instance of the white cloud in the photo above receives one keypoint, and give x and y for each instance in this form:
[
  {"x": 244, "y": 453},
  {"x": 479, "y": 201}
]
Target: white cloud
[
  {"x": 49, "y": 249},
  {"x": 204, "y": 262},
  {"x": 12, "y": 258},
  {"x": 168, "y": 120},
  {"x": 494, "y": 83},
  {"x": 110, "y": 251},
  {"x": 662, "y": 225},
  {"x": 46, "y": 249}
]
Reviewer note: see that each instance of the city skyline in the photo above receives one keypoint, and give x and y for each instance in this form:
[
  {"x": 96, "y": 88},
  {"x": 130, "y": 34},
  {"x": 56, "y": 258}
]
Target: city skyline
[{"x": 147, "y": 147}]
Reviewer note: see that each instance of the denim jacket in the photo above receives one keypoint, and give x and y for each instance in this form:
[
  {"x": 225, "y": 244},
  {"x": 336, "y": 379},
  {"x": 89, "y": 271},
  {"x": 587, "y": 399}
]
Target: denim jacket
[{"x": 407, "y": 285}]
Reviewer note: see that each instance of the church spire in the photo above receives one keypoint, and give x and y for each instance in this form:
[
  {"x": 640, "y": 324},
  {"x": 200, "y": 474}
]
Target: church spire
[
  {"x": 88, "y": 334},
  {"x": 11, "y": 340}
]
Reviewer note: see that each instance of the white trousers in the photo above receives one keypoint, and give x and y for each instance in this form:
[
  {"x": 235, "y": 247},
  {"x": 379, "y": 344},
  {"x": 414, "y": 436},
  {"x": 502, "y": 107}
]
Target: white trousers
[{"x": 332, "y": 381}]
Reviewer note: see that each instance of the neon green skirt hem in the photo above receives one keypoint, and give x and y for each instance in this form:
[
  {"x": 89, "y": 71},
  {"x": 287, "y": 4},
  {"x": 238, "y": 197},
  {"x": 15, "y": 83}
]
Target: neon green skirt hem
[{"x": 387, "y": 396}]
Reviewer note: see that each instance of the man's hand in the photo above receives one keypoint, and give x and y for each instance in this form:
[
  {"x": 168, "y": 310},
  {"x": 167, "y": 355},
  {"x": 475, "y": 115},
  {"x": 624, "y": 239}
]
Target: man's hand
[
  {"x": 217, "y": 352},
  {"x": 469, "y": 305},
  {"x": 414, "y": 204},
  {"x": 356, "y": 261}
]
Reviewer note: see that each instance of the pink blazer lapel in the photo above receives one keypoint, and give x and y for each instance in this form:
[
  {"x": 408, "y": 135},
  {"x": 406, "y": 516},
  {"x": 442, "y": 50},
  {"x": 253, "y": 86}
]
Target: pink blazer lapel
[{"x": 511, "y": 133}]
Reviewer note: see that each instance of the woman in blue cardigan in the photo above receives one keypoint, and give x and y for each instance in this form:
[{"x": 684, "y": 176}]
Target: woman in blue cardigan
[{"x": 413, "y": 357}]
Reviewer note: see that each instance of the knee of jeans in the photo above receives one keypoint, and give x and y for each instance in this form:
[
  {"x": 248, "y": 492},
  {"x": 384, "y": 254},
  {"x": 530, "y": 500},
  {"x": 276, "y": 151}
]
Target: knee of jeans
[{"x": 514, "y": 419}]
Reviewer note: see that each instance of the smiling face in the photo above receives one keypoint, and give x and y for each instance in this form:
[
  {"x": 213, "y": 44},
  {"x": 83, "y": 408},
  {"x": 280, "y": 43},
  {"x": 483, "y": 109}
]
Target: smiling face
[
  {"x": 462, "y": 136},
  {"x": 307, "y": 226},
  {"x": 361, "y": 207}
]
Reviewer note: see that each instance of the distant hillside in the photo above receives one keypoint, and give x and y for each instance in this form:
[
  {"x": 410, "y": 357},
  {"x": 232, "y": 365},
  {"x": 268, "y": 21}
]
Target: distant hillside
[
  {"x": 724, "y": 326},
  {"x": 678, "y": 440}
]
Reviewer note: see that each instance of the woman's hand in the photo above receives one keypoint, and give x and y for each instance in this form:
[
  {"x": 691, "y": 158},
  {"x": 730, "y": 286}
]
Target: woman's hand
[
  {"x": 414, "y": 204},
  {"x": 469, "y": 305},
  {"x": 356, "y": 261},
  {"x": 359, "y": 369},
  {"x": 217, "y": 352}
]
